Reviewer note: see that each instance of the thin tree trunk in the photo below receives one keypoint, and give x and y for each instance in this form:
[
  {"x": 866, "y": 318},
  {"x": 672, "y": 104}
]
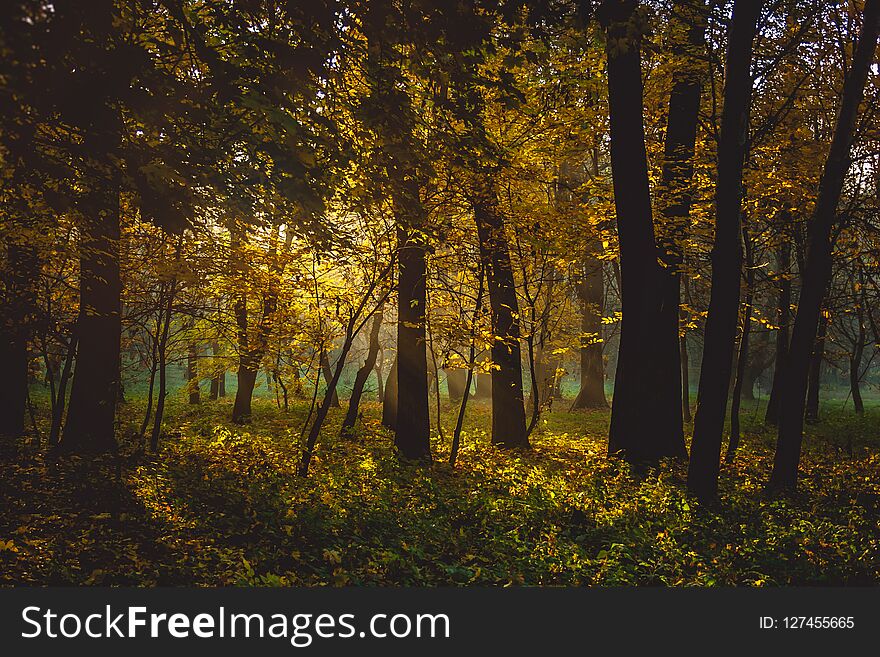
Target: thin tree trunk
[
  {"x": 720, "y": 333},
  {"x": 389, "y": 404},
  {"x": 742, "y": 357},
  {"x": 472, "y": 361},
  {"x": 154, "y": 365},
  {"x": 159, "y": 415},
  {"x": 328, "y": 375},
  {"x": 218, "y": 372},
  {"x": 362, "y": 375},
  {"x": 192, "y": 376},
  {"x": 783, "y": 318},
  {"x": 817, "y": 269},
  {"x": 815, "y": 373},
  {"x": 61, "y": 396}
]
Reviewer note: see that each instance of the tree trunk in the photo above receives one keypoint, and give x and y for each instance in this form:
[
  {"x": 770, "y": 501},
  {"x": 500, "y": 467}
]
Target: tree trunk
[
  {"x": 688, "y": 20},
  {"x": 218, "y": 372},
  {"x": 855, "y": 364},
  {"x": 247, "y": 380},
  {"x": 591, "y": 293},
  {"x": 19, "y": 276},
  {"x": 742, "y": 357},
  {"x": 14, "y": 382},
  {"x": 363, "y": 373},
  {"x": 61, "y": 395},
  {"x": 720, "y": 332},
  {"x": 783, "y": 318},
  {"x": 412, "y": 422},
  {"x": 646, "y": 422},
  {"x": 192, "y": 376},
  {"x": 247, "y": 365},
  {"x": 328, "y": 375},
  {"x": 508, "y": 408},
  {"x": 380, "y": 381},
  {"x": 814, "y": 375},
  {"x": 817, "y": 268},
  {"x": 94, "y": 392},
  {"x": 389, "y": 403}
]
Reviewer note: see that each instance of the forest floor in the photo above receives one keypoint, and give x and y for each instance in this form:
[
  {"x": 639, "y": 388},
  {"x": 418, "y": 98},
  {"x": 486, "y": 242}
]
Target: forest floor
[{"x": 223, "y": 505}]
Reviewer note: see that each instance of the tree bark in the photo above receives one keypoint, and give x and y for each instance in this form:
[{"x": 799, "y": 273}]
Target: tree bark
[
  {"x": 743, "y": 353},
  {"x": 817, "y": 268},
  {"x": 783, "y": 318},
  {"x": 720, "y": 332},
  {"x": 328, "y": 375},
  {"x": 814, "y": 376},
  {"x": 508, "y": 408},
  {"x": 646, "y": 422},
  {"x": 94, "y": 392}
]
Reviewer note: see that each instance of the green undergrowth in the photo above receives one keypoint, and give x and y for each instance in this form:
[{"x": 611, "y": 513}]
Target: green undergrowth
[{"x": 223, "y": 505}]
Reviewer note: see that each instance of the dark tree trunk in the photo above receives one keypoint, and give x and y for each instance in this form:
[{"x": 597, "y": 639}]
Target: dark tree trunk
[
  {"x": 380, "y": 382},
  {"x": 154, "y": 366},
  {"x": 508, "y": 408},
  {"x": 326, "y": 402},
  {"x": 14, "y": 382},
  {"x": 94, "y": 392},
  {"x": 469, "y": 377},
  {"x": 815, "y": 373},
  {"x": 328, "y": 375},
  {"x": 247, "y": 380},
  {"x": 412, "y": 422},
  {"x": 676, "y": 194},
  {"x": 742, "y": 357},
  {"x": 162, "y": 350},
  {"x": 685, "y": 356},
  {"x": 16, "y": 325},
  {"x": 247, "y": 366},
  {"x": 817, "y": 268},
  {"x": 61, "y": 395},
  {"x": 363, "y": 373},
  {"x": 192, "y": 376},
  {"x": 389, "y": 403},
  {"x": 646, "y": 422},
  {"x": 783, "y": 318},
  {"x": 591, "y": 293},
  {"x": 218, "y": 372},
  {"x": 720, "y": 333},
  {"x": 855, "y": 364},
  {"x": 401, "y": 161}
]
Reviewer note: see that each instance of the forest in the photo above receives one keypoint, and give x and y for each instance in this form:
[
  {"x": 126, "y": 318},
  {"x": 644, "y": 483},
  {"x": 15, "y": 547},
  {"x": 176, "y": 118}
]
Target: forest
[{"x": 426, "y": 292}]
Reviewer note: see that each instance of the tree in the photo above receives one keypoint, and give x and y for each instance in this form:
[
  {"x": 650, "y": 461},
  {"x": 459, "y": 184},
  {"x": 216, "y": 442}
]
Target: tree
[
  {"x": 91, "y": 415},
  {"x": 645, "y": 426},
  {"x": 720, "y": 332},
  {"x": 817, "y": 269}
]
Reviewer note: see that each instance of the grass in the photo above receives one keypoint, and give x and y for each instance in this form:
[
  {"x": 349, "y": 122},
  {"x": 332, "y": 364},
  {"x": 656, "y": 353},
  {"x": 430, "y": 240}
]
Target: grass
[{"x": 222, "y": 505}]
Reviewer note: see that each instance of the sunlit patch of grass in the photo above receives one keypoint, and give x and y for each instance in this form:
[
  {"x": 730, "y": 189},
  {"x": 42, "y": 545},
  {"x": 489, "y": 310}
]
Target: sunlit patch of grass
[{"x": 224, "y": 505}]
